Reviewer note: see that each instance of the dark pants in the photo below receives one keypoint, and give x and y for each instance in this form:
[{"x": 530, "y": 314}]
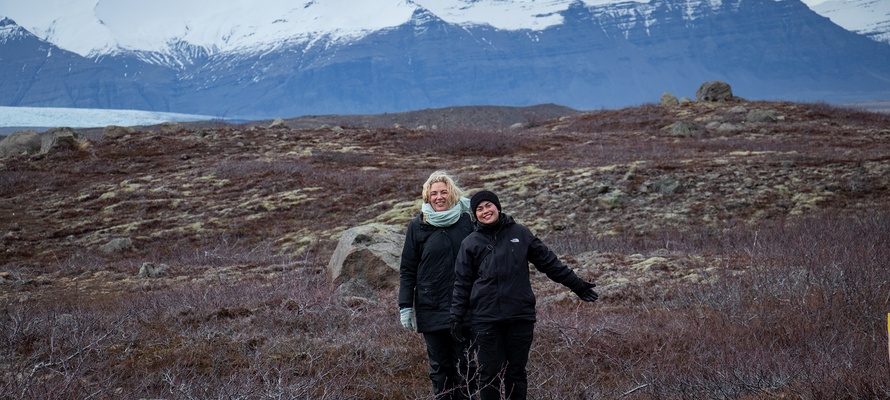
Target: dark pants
[
  {"x": 450, "y": 368},
  {"x": 502, "y": 351}
]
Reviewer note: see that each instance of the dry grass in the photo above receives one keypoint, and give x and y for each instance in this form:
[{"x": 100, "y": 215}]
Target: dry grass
[
  {"x": 804, "y": 320},
  {"x": 784, "y": 305}
]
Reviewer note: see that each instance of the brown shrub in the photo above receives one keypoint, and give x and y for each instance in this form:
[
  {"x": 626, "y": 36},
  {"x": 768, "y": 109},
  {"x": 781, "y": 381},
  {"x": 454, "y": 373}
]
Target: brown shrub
[
  {"x": 464, "y": 142},
  {"x": 804, "y": 320}
]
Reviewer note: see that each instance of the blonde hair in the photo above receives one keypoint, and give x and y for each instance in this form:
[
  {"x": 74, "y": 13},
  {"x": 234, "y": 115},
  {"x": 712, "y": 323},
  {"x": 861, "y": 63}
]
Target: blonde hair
[{"x": 454, "y": 192}]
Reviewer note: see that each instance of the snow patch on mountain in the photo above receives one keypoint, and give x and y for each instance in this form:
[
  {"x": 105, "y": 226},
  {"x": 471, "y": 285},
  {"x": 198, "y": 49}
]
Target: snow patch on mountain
[
  {"x": 507, "y": 15},
  {"x": 865, "y": 17}
]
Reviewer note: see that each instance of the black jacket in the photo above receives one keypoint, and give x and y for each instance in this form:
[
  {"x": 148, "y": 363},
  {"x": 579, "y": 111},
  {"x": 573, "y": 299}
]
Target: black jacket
[
  {"x": 500, "y": 289},
  {"x": 426, "y": 274}
]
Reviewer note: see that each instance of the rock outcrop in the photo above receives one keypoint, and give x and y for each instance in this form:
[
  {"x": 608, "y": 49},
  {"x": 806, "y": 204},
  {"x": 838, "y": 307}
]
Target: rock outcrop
[
  {"x": 368, "y": 253},
  {"x": 714, "y": 91},
  {"x": 60, "y": 139},
  {"x": 20, "y": 142},
  {"x": 669, "y": 100}
]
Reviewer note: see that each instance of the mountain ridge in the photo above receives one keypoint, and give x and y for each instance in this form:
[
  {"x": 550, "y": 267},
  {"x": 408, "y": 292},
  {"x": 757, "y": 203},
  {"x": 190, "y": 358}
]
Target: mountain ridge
[
  {"x": 597, "y": 57},
  {"x": 105, "y": 28}
]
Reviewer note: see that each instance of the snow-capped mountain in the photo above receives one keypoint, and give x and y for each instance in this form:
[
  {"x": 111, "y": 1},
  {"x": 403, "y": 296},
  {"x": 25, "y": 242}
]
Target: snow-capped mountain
[
  {"x": 94, "y": 28},
  {"x": 866, "y": 17},
  {"x": 263, "y": 59}
]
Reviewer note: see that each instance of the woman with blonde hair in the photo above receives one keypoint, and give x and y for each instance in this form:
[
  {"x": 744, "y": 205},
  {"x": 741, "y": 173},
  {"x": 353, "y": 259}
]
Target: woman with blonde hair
[{"x": 426, "y": 282}]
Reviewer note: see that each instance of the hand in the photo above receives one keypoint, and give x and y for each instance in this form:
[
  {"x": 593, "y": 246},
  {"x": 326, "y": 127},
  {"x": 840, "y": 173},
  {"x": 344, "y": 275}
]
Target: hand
[
  {"x": 406, "y": 317},
  {"x": 457, "y": 332},
  {"x": 588, "y": 295}
]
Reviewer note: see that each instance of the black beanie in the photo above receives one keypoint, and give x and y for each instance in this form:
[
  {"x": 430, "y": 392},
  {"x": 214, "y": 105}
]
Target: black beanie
[{"x": 482, "y": 196}]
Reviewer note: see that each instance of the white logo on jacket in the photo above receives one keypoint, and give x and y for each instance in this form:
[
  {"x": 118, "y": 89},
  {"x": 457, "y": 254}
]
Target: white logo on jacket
[{"x": 514, "y": 240}]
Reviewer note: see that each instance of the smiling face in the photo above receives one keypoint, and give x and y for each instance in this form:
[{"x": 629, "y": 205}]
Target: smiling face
[
  {"x": 487, "y": 213},
  {"x": 439, "y": 196}
]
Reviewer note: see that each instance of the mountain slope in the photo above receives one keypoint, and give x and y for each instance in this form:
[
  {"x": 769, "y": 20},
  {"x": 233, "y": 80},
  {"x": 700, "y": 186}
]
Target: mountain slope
[
  {"x": 430, "y": 63},
  {"x": 36, "y": 73},
  {"x": 581, "y": 55}
]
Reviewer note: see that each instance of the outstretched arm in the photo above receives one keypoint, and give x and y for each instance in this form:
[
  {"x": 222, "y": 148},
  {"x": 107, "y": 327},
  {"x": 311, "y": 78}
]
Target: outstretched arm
[{"x": 546, "y": 261}]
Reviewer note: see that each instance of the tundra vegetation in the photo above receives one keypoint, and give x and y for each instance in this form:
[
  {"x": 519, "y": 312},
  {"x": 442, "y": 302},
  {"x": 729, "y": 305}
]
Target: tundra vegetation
[{"x": 738, "y": 255}]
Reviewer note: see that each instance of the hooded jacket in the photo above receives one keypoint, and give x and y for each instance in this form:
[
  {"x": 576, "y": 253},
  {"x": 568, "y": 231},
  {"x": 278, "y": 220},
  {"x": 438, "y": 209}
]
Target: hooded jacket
[
  {"x": 426, "y": 273},
  {"x": 499, "y": 290}
]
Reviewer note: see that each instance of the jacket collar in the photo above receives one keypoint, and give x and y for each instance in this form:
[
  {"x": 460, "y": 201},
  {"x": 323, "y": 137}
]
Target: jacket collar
[{"x": 504, "y": 220}]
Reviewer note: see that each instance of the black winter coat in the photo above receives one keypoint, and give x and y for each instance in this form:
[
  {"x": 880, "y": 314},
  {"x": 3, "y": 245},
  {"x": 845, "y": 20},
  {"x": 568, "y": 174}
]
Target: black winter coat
[
  {"x": 426, "y": 275},
  {"x": 500, "y": 288}
]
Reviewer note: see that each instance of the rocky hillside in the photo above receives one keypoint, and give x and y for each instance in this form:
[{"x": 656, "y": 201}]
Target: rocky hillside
[{"x": 192, "y": 195}]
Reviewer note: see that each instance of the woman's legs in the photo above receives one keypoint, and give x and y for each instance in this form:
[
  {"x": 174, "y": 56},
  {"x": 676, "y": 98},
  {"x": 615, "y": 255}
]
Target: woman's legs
[
  {"x": 519, "y": 342},
  {"x": 452, "y": 368},
  {"x": 503, "y": 354},
  {"x": 491, "y": 356},
  {"x": 439, "y": 348},
  {"x": 467, "y": 377}
]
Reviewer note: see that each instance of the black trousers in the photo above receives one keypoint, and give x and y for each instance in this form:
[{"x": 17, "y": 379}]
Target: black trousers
[
  {"x": 502, "y": 349},
  {"x": 452, "y": 368}
]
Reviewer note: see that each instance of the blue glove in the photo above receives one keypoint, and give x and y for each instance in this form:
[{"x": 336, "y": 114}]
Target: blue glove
[{"x": 406, "y": 317}]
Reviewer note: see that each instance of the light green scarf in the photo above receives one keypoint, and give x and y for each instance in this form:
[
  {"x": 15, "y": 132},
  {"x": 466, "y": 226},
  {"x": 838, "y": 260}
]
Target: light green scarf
[{"x": 447, "y": 217}]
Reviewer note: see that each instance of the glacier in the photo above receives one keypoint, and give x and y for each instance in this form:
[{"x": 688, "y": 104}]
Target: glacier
[{"x": 47, "y": 117}]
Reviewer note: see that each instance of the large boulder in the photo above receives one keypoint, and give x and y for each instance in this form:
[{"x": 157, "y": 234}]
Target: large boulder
[
  {"x": 369, "y": 253},
  {"x": 20, "y": 142},
  {"x": 669, "y": 100},
  {"x": 714, "y": 91},
  {"x": 60, "y": 139}
]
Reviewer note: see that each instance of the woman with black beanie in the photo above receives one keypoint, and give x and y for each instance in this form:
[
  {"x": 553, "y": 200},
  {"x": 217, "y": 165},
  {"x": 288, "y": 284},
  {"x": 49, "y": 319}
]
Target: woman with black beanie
[{"x": 493, "y": 295}]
